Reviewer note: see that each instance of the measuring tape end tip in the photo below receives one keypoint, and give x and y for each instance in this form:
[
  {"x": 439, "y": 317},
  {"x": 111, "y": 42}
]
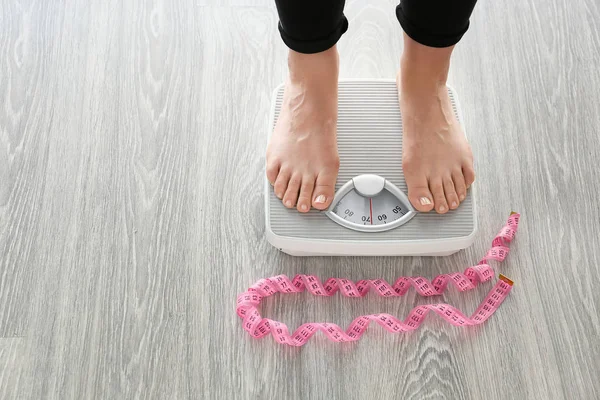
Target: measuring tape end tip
[
  {"x": 505, "y": 279},
  {"x": 513, "y": 212}
]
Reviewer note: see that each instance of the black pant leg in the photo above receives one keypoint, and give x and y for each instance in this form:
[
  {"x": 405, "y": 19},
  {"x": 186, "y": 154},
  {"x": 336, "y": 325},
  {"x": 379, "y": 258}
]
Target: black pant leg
[
  {"x": 435, "y": 23},
  {"x": 311, "y": 26}
]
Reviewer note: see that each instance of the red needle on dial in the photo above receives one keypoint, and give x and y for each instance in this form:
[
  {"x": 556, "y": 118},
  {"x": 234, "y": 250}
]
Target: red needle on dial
[{"x": 371, "y": 209}]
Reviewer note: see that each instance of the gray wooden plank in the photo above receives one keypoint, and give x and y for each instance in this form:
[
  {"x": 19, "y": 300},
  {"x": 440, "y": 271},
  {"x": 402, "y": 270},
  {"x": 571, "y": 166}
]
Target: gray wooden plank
[
  {"x": 131, "y": 213},
  {"x": 109, "y": 296},
  {"x": 13, "y": 360}
]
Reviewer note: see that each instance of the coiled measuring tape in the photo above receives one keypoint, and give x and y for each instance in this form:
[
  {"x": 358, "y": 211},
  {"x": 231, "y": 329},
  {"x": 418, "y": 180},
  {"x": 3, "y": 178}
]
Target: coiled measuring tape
[{"x": 258, "y": 327}]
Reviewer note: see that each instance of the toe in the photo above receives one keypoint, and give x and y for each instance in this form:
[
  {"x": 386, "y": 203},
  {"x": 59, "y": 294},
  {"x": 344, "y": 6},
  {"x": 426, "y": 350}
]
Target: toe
[
  {"x": 459, "y": 185},
  {"x": 324, "y": 188},
  {"x": 469, "y": 174},
  {"x": 418, "y": 194},
  {"x": 281, "y": 183},
  {"x": 306, "y": 191},
  {"x": 450, "y": 192},
  {"x": 439, "y": 198},
  {"x": 291, "y": 194},
  {"x": 272, "y": 171}
]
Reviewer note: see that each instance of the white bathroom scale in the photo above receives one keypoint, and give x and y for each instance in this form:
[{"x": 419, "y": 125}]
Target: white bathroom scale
[{"x": 370, "y": 214}]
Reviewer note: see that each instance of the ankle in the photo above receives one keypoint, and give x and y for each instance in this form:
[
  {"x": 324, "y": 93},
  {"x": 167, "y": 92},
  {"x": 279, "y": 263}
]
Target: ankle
[
  {"x": 423, "y": 68},
  {"x": 319, "y": 67}
]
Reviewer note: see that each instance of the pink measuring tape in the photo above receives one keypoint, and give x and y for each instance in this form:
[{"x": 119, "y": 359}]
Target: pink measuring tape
[{"x": 257, "y": 326}]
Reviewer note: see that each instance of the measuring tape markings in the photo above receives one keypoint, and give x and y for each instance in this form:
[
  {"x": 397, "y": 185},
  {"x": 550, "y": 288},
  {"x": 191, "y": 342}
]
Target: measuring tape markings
[{"x": 259, "y": 327}]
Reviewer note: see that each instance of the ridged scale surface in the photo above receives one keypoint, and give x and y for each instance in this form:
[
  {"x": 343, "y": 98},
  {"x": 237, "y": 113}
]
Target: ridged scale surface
[{"x": 369, "y": 142}]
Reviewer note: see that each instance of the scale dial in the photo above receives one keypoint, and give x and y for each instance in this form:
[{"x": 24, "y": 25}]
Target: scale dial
[{"x": 369, "y": 203}]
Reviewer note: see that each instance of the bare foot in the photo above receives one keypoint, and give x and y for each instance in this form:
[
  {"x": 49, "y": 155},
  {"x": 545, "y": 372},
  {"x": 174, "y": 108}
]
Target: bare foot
[
  {"x": 437, "y": 160},
  {"x": 302, "y": 156}
]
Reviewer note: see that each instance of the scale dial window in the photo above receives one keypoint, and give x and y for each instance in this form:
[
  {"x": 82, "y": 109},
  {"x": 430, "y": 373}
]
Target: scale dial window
[{"x": 369, "y": 203}]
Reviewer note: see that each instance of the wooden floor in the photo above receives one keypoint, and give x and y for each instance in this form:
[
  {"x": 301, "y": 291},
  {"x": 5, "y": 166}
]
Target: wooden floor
[{"x": 132, "y": 138}]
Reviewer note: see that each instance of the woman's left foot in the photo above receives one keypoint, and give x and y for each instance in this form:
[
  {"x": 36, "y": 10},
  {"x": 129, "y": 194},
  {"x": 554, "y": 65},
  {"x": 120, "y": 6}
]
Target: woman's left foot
[{"x": 436, "y": 158}]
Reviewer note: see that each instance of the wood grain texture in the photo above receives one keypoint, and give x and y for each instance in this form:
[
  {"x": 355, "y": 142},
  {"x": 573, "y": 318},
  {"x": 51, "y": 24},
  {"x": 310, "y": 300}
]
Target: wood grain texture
[{"x": 131, "y": 160}]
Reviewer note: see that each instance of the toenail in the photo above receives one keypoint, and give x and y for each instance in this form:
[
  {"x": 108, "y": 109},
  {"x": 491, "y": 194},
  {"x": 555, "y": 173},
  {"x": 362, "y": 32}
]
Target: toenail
[
  {"x": 288, "y": 203},
  {"x": 303, "y": 207},
  {"x": 425, "y": 201},
  {"x": 320, "y": 199},
  {"x": 278, "y": 195},
  {"x": 442, "y": 208},
  {"x": 462, "y": 197},
  {"x": 454, "y": 204}
]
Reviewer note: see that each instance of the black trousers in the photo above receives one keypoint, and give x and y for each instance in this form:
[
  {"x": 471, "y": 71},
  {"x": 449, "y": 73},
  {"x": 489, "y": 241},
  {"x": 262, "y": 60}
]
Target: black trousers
[{"x": 312, "y": 26}]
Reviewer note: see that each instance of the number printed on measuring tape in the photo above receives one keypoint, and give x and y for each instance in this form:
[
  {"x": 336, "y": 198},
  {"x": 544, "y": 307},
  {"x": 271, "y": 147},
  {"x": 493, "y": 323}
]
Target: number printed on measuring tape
[{"x": 257, "y": 326}]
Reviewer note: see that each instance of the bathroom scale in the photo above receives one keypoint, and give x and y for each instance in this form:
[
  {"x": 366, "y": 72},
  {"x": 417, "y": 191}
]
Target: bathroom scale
[{"x": 370, "y": 214}]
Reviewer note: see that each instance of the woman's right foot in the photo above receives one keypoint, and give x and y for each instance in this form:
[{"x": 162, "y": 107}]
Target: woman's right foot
[{"x": 302, "y": 156}]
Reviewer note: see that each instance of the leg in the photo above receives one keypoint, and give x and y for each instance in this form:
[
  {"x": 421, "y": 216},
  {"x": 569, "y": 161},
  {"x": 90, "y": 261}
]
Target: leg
[
  {"x": 436, "y": 158},
  {"x": 302, "y": 157}
]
